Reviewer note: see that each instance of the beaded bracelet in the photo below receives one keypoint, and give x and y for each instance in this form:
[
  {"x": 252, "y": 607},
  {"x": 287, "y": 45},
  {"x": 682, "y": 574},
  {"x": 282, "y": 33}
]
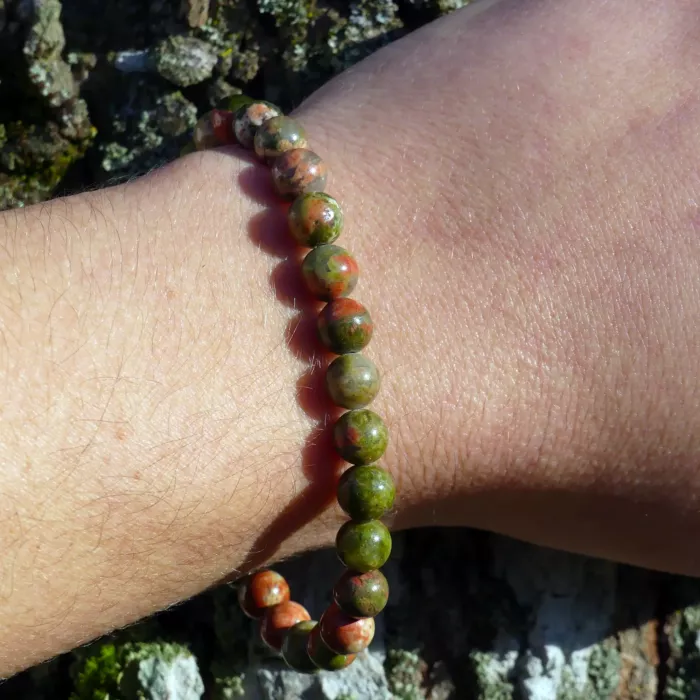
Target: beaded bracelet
[{"x": 365, "y": 491}]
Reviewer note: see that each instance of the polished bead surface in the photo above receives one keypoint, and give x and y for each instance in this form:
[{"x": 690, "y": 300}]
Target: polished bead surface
[
  {"x": 298, "y": 171},
  {"x": 249, "y": 117},
  {"x": 315, "y": 218},
  {"x": 352, "y": 380},
  {"x": 234, "y": 102},
  {"x": 360, "y": 436},
  {"x": 344, "y": 634},
  {"x": 363, "y": 546},
  {"x": 329, "y": 272},
  {"x": 361, "y": 595},
  {"x": 203, "y": 135},
  {"x": 344, "y": 325},
  {"x": 278, "y": 620},
  {"x": 261, "y": 591},
  {"x": 277, "y": 135},
  {"x": 295, "y": 647},
  {"x": 366, "y": 493},
  {"x": 323, "y": 657}
]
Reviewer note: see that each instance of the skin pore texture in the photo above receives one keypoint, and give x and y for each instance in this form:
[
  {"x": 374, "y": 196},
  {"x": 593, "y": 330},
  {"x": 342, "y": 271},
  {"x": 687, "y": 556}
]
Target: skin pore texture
[{"x": 521, "y": 192}]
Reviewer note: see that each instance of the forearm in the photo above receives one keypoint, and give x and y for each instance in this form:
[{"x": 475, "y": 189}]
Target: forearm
[{"x": 149, "y": 423}]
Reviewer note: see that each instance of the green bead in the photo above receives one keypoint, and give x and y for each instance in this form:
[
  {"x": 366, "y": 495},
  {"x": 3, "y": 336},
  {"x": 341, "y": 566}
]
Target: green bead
[
  {"x": 324, "y": 657},
  {"x": 329, "y": 271},
  {"x": 344, "y": 325},
  {"x": 188, "y": 148},
  {"x": 315, "y": 218},
  {"x": 361, "y": 595},
  {"x": 366, "y": 493},
  {"x": 360, "y": 436},
  {"x": 234, "y": 102},
  {"x": 277, "y": 135},
  {"x": 363, "y": 546},
  {"x": 352, "y": 380},
  {"x": 294, "y": 648}
]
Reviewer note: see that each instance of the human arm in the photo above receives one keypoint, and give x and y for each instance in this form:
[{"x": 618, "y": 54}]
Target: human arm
[{"x": 527, "y": 242}]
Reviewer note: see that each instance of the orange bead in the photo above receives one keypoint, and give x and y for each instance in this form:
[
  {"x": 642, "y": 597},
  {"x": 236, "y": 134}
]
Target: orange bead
[
  {"x": 262, "y": 591},
  {"x": 344, "y": 634},
  {"x": 278, "y": 620}
]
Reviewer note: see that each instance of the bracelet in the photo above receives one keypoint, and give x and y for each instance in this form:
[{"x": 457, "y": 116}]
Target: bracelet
[{"x": 365, "y": 491}]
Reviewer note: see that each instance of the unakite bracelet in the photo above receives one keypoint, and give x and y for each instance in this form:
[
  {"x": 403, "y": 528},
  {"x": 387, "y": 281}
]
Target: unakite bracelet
[{"x": 365, "y": 491}]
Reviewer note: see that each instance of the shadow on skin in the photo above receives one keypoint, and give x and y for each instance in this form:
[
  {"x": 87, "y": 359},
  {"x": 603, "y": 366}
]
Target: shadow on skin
[{"x": 320, "y": 463}]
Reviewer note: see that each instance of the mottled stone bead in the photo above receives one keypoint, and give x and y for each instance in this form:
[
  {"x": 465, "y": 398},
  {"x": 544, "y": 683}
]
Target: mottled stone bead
[
  {"x": 360, "y": 436},
  {"x": 329, "y": 272},
  {"x": 363, "y": 546},
  {"x": 261, "y": 591},
  {"x": 352, "y": 380},
  {"x": 249, "y": 117},
  {"x": 344, "y": 634},
  {"x": 277, "y": 135},
  {"x": 315, "y": 218},
  {"x": 204, "y": 136},
  {"x": 295, "y": 647},
  {"x": 366, "y": 493},
  {"x": 361, "y": 595},
  {"x": 323, "y": 657},
  {"x": 344, "y": 325},
  {"x": 278, "y": 620},
  {"x": 298, "y": 171},
  {"x": 234, "y": 102}
]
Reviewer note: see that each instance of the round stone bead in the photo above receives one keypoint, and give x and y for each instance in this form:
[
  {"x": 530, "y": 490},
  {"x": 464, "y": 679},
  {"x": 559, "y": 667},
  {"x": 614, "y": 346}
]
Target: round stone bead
[
  {"x": 205, "y": 136},
  {"x": 366, "y": 493},
  {"x": 249, "y": 117},
  {"x": 352, "y": 380},
  {"x": 298, "y": 171},
  {"x": 315, "y": 218},
  {"x": 360, "y": 436},
  {"x": 277, "y": 135},
  {"x": 344, "y": 634},
  {"x": 329, "y": 272},
  {"x": 278, "y": 620},
  {"x": 344, "y": 325},
  {"x": 323, "y": 657},
  {"x": 361, "y": 595},
  {"x": 215, "y": 128},
  {"x": 363, "y": 546},
  {"x": 261, "y": 591},
  {"x": 294, "y": 647},
  {"x": 234, "y": 102}
]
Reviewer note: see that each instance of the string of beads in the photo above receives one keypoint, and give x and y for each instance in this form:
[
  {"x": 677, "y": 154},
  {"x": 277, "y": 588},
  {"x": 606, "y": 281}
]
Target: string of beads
[{"x": 365, "y": 491}]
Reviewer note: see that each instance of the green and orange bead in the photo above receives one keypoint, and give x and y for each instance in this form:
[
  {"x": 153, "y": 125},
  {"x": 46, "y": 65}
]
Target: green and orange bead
[
  {"x": 352, "y": 380},
  {"x": 344, "y": 634},
  {"x": 315, "y": 219},
  {"x": 261, "y": 591},
  {"x": 295, "y": 647},
  {"x": 323, "y": 657},
  {"x": 329, "y": 272},
  {"x": 249, "y": 118},
  {"x": 344, "y": 325},
  {"x": 277, "y": 135},
  {"x": 366, "y": 492},
  {"x": 213, "y": 129},
  {"x": 363, "y": 546},
  {"x": 361, "y": 594},
  {"x": 278, "y": 620},
  {"x": 298, "y": 171},
  {"x": 360, "y": 436}
]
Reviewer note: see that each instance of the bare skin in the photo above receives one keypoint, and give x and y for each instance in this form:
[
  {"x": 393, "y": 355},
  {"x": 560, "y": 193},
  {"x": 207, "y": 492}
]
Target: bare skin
[{"x": 522, "y": 194}]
